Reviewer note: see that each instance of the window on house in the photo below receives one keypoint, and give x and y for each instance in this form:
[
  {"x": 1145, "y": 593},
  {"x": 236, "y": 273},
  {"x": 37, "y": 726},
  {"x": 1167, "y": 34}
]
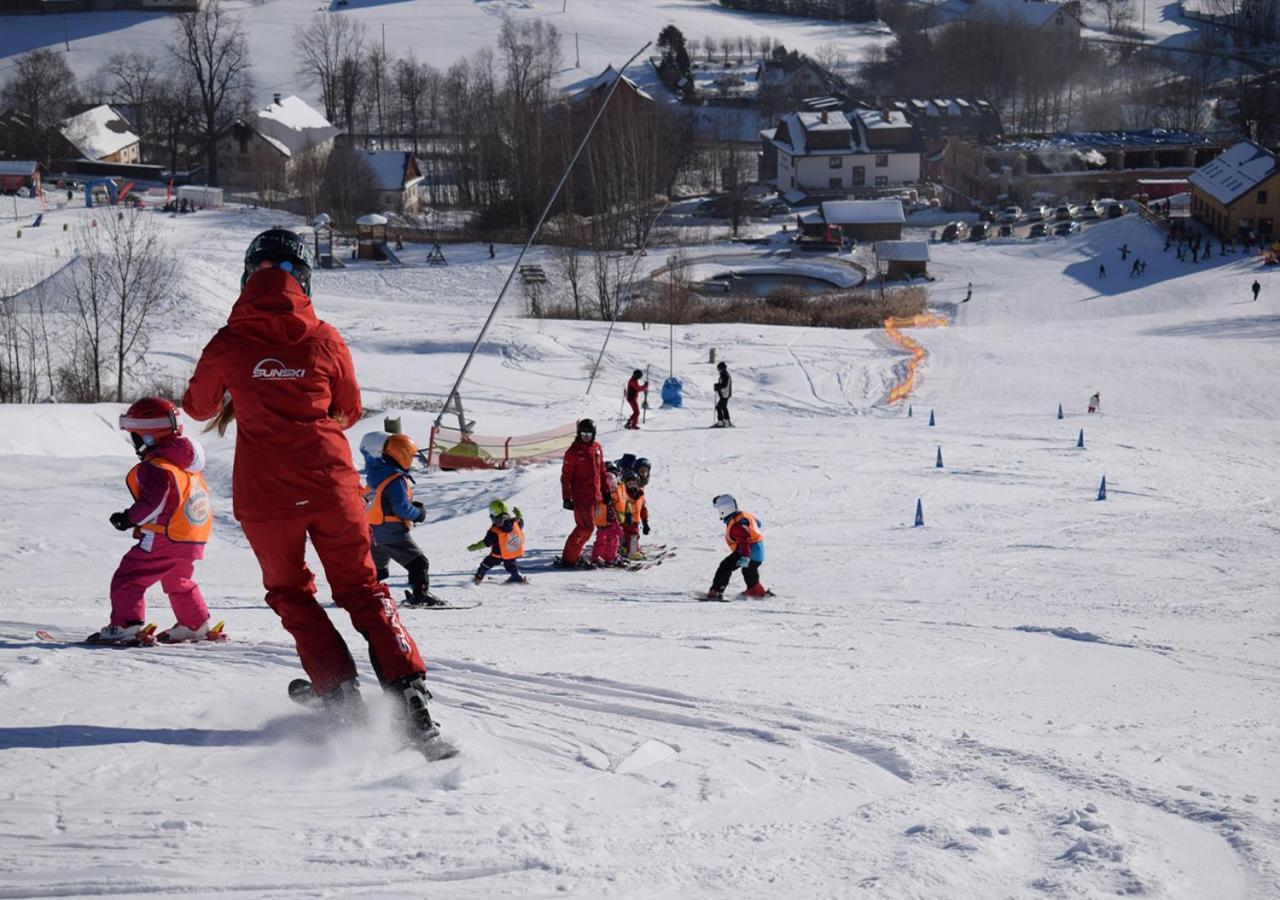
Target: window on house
[
  {"x": 835, "y": 162},
  {"x": 1262, "y": 198},
  {"x": 859, "y": 176},
  {"x": 882, "y": 161},
  {"x": 882, "y": 181}
]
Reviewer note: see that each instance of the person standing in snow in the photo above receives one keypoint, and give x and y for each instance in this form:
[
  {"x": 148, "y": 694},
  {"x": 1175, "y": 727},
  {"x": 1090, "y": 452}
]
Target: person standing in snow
[
  {"x": 609, "y": 527},
  {"x": 724, "y": 390},
  {"x": 582, "y": 485},
  {"x": 392, "y": 512},
  {"x": 1257, "y": 289},
  {"x": 292, "y": 387},
  {"x": 1102, "y": 271},
  {"x": 746, "y": 549},
  {"x": 1095, "y": 402},
  {"x": 505, "y": 540},
  {"x": 171, "y": 517},
  {"x": 635, "y": 387}
]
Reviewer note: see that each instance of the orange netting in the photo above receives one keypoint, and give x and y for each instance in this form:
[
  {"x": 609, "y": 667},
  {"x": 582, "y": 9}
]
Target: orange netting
[
  {"x": 451, "y": 449},
  {"x": 892, "y": 327}
]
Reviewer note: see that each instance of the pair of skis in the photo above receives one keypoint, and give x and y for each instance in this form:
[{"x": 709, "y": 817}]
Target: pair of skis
[{"x": 147, "y": 636}]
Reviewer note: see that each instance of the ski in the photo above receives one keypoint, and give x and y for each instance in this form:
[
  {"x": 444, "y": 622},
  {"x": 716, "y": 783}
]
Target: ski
[
  {"x": 409, "y": 604},
  {"x": 144, "y": 638},
  {"x": 707, "y": 598}
]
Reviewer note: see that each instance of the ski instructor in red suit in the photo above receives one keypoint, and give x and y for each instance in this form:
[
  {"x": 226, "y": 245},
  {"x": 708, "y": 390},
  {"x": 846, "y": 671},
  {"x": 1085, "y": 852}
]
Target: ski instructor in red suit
[
  {"x": 582, "y": 485},
  {"x": 293, "y": 391}
]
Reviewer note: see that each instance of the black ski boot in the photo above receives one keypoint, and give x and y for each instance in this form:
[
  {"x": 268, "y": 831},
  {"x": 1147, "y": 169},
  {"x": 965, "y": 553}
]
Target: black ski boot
[
  {"x": 343, "y": 704},
  {"x": 416, "y": 718},
  {"x": 421, "y": 596}
]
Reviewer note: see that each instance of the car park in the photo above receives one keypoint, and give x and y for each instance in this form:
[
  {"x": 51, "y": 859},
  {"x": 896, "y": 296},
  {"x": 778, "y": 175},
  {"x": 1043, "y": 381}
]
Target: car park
[
  {"x": 1010, "y": 214},
  {"x": 1064, "y": 213},
  {"x": 986, "y": 215},
  {"x": 1037, "y": 213},
  {"x": 1062, "y": 229},
  {"x": 1038, "y": 230},
  {"x": 1115, "y": 210},
  {"x": 1006, "y": 230},
  {"x": 1090, "y": 210},
  {"x": 980, "y": 231},
  {"x": 955, "y": 231}
]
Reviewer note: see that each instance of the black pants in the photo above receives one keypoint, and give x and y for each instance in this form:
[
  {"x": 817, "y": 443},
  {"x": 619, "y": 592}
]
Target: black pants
[
  {"x": 722, "y": 409},
  {"x": 490, "y": 561},
  {"x": 402, "y": 549},
  {"x": 751, "y": 574}
]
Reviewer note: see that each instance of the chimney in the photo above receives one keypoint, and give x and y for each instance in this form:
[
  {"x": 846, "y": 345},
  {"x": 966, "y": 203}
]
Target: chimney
[
  {"x": 824, "y": 116},
  {"x": 275, "y": 98}
]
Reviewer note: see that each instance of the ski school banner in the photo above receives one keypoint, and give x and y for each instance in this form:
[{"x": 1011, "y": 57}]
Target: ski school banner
[
  {"x": 893, "y": 327},
  {"x": 451, "y": 449}
]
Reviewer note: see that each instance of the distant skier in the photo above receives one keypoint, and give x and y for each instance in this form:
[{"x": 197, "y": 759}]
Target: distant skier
[
  {"x": 292, "y": 386},
  {"x": 968, "y": 294},
  {"x": 582, "y": 483},
  {"x": 724, "y": 390},
  {"x": 1124, "y": 252},
  {"x": 505, "y": 540},
  {"x": 1142, "y": 267},
  {"x": 635, "y": 515},
  {"x": 392, "y": 512},
  {"x": 746, "y": 549},
  {"x": 1136, "y": 268},
  {"x": 609, "y": 513},
  {"x": 171, "y": 517},
  {"x": 1257, "y": 289},
  {"x": 635, "y": 387},
  {"x": 1102, "y": 271},
  {"x": 1095, "y": 402}
]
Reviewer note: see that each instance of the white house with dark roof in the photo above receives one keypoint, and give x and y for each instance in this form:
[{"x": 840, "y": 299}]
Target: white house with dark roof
[
  {"x": 265, "y": 149},
  {"x": 1238, "y": 191},
  {"x": 396, "y": 179},
  {"x": 823, "y": 152},
  {"x": 101, "y": 134}
]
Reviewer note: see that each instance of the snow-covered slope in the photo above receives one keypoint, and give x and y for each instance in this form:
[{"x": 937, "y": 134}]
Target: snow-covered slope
[{"x": 1035, "y": 694}]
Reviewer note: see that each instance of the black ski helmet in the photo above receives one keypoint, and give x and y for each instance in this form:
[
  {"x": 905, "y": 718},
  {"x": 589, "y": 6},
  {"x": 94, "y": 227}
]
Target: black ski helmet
[
  {"x": 721, "y": 366},
  {"x": 586, "y": 426},
  {"x": 283, "y": 248},
  {"x": 637, "y": 374}
]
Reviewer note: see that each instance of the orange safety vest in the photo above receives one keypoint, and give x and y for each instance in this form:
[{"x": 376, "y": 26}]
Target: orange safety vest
[
  {"x": 619, "y": 501},
  {"x": 510, "y": 543},
  {"x": 373, "y": 511},
  {"x": 755, "y": 536},
  {"x": 633, "y": 507},
  {"x": 192, "y": 519}
]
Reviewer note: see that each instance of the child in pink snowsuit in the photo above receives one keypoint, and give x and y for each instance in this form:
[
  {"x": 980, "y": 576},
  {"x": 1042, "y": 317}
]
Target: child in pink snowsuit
[
  {"x": 604, "y": 552},
  {"x": 171, "y": 516}
]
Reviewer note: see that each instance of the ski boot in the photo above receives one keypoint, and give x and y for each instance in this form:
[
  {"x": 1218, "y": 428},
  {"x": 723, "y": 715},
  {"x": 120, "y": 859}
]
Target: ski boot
[
  {"x": 135, "y": 633},
  {"x": 560, "y": 563},
  {"x": 715, "y": 593},
  {"x": 416, "y": 718},
  {"x": 758, "y": 590},
  {"x": 421, "y": 597},
  {"x": 179, "y": 633},
  {"x": 517, "y": 579},
  {"x": 344, "y": 704}
]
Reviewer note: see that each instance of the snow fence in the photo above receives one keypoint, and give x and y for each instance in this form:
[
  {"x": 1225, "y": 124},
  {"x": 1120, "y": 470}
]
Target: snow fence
[{"x": 450, "y": 448}]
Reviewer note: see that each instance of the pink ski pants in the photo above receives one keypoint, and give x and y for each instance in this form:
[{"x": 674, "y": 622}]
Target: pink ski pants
[{"x": 139, "y": 570}]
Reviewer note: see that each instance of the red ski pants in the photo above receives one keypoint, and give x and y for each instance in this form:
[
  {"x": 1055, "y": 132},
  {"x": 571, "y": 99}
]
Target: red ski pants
[
  {"x": 634, "y": 421},
  {"x": 341, "y": 540},
  {"x": 139, "y": 570},
  {"x": 584, "y": 519}
]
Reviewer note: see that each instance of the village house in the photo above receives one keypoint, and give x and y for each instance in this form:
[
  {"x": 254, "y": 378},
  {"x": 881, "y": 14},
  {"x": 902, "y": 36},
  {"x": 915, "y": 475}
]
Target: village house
[
  {"x": 19, "y": 175},
  {"x": 789, "y": 79},
  {"x": 1238, "y": 191},
  {"x": 861, "y": 220},
  {"x": 1075, "y": 166},
  {"x": 264, "y": 151},
  {"x": 1060, "y": 22},
  {"x": 823, "y": 153},
  {"x": 903, "y": 259},
  {"x": 101, "y": 134},
  {"x": 397, "y": 178}
]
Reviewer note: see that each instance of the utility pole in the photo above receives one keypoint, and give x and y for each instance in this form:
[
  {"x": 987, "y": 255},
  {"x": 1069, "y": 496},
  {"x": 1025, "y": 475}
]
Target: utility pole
[
  {"x": 66, "y": 33},
  {"x": 577, "y": 51}
]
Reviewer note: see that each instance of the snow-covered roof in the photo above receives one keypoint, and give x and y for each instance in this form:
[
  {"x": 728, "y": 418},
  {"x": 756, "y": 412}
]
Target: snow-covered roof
[
  {"x": 861, "y": 212},
  {"x": 903, "y": 251},
  {"x": 291, "y": 124},
  {"x": 801, "y": 124},
  {"x": 25, "y": 167},
  {"x": 390, "y": 168},
  {"x": 1235, "y": 172},
  {"x": 371, "y": 219},
  {"x": 1027, "y": 13},
  {"x": 99, "y": 132},
  {"x": 582, "y": 90},
  {"x": 874, "y": 119},
  {"x": 816, "y": 121}
]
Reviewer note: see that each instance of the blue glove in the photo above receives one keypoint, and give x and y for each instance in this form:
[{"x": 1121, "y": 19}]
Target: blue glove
[{"x": 744, "y": 561}]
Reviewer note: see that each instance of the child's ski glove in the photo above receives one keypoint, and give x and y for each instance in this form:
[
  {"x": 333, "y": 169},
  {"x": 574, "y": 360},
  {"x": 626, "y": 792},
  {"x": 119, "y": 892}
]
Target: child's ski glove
[
  {"x": 515, "y": 511},
  {"x": 744, "y": 561},
  {"x": 478, "y": 545},
  {"x": 568, "y": 503},
  {"x": 645, "y": 527},
  {"x": 120, "y": 521},
  {"x": 422, "y": 511}
]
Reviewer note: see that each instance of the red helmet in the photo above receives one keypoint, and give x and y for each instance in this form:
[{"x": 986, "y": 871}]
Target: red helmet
[{"x": 155, "y": 416}]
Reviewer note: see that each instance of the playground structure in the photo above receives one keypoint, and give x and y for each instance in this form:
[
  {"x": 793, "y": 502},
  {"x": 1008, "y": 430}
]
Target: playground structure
[
  {"x": 453, "y": 449},
  {"x": 107, "y": 186}
]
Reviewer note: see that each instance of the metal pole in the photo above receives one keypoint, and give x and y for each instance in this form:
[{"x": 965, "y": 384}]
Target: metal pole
[
  {"x": 617, "y": 308},
  {"x": 515, "y": 267}
]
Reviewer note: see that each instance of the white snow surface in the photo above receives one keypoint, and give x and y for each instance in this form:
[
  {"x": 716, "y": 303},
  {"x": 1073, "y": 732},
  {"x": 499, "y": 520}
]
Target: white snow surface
[{"x": 1035, "y": 694}]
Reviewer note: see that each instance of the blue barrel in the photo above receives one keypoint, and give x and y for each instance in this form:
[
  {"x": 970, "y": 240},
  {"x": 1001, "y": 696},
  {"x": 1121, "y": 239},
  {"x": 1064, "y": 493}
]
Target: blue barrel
[{"x": 671, "y": 392}]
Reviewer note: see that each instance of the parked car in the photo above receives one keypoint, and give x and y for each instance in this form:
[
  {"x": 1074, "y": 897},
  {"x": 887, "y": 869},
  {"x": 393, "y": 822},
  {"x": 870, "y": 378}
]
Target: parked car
[
  {"x": 1090, "y": 210},
  {"x": 1115, "y": 210},
  {"x": 1011, "y": 214},
  {"x": 980, "y": 231},
  {"x": 986, "y": 215},
  {"x": 1037, "y": 213},
  {"x": 955, "y": 231},
  {"x": 1038, "y": 230},
  {"x": 1064, "y": 213},
  {"x": 1006, "y": 230},
  {"x": 1062, "y": 229}
]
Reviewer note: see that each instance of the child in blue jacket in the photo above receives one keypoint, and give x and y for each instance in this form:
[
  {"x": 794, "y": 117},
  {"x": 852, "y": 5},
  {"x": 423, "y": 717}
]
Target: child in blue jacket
[{"x": 392, "y": 512}]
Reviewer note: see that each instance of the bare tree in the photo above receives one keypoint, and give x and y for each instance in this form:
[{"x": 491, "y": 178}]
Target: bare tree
[
  {"x": 568, "y": 257},
  {"x": 89, "y": 286},
  {"x": 830, "y": 57},
  {"x": 320, "y": 50},
  {"x": 710, "y": 46},
  {"x": 349, "y": 189},
  {"x": 42, "y": 88},
  {"x": 211, "y": 45}
]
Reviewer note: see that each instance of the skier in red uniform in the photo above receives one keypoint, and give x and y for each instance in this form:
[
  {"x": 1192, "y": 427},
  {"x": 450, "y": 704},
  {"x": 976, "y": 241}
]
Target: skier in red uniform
[
  {"x": 293, "y": 390},
  {"x": 636, "y": 387},
  {"x": 582, "y": 484}
]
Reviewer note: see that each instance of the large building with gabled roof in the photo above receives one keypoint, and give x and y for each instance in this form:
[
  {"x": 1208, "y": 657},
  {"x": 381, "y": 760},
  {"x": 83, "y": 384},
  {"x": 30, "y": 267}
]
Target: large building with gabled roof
[{"x": 1238, "y": 191}]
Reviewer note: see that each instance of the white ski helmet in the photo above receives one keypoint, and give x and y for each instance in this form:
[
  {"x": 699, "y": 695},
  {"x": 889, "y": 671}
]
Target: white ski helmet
[
  {"x": 373, "y": 442},
  {"x": 725, "y": 505}
]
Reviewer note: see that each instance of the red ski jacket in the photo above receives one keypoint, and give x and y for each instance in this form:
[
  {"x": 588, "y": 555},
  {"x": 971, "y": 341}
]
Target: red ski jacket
[
  {"x": 291, "y": 379},
  {"x": 582, "y": 478}
]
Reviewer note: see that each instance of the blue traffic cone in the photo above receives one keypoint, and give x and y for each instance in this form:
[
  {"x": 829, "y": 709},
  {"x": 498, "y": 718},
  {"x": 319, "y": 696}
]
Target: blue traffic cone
[
  {"x": 1080, "y": 440},
  {"x": 1059, "y": 410},
  {"x": 938, "y": 464},
  {"x": 908, "y": 410},
  {"x": 931, "y": 417},
  {"x": 1102, "y": 489},
  {"x": 919, "y": 514}
]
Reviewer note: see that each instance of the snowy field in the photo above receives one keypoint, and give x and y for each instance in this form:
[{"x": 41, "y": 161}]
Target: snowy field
[
  {"x": 1036, "y": 694},
  {"x": 439, "y": 32}
]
